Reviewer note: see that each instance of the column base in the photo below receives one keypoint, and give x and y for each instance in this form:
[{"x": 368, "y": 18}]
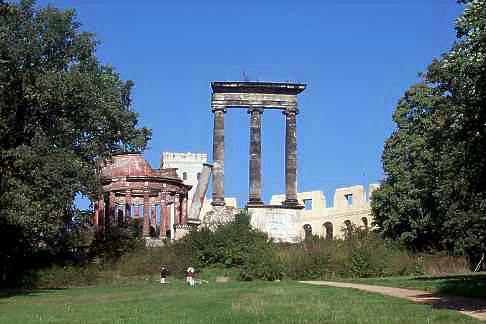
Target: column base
[
  {"x": 254, "y": 202},
  {"x": 218, "y": 202},
  {"x": 292, "y": 203}
]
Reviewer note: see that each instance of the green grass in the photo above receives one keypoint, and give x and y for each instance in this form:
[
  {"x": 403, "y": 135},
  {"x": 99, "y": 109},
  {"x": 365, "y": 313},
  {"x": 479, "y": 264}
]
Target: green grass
[
  {"x": 471, "y": 285},
  {"x": 235, "y": 302}
]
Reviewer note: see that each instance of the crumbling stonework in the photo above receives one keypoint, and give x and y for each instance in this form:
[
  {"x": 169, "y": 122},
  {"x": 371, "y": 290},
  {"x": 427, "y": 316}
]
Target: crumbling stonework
[
  {"x": 351, "y": 206},
  {"x": 281, "y": 224},
  {"x": 218, "y": 215}
]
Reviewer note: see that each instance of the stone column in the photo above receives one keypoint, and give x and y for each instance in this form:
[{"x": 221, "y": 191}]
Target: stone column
[
  {"x": 177, "y": 209},
  {"x": 167, "y": 213},
  {"x": 101, "y": 212},
  {"x": 146, "y": 212},
  {"x": 184, "y": 209},
  {"x": 153, "y": 216},
  {"x": 137, "y": 211},
  {"x": 255, "y": 172},
  {"x": 128, "y": 207},
  {"x": 111, "y": 210},
  {"x": 290, "y": 159},
  {"x": 163, "y": 216},
  {"x": 218, "y": 157}
]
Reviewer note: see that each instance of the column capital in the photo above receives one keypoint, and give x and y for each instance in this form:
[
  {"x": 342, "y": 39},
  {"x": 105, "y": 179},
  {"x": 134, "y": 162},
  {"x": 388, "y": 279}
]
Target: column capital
[
  {"x": 290, "y": 112},
  {"x": 255, "y": 108},
  {"x": 215, "y": 108}
]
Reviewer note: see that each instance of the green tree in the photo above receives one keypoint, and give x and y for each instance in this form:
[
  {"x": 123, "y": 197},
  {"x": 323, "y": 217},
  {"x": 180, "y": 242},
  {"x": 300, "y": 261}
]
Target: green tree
[
  {"x": 61, "y": 111},
  {"x": 434, "y": 194}
]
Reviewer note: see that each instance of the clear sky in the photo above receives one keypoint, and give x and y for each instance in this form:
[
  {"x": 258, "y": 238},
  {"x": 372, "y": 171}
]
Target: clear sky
[{"x": 357, "y": 57}]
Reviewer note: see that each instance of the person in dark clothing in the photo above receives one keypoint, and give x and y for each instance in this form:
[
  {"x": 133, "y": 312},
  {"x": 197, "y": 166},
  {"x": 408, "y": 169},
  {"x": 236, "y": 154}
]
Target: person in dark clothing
[{"x": 163, "y": 274}]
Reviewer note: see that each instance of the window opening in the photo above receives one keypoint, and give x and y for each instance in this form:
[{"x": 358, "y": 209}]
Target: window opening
[
  {"x": 349, "y": 199},
  {"x": 308, "y": 204}
]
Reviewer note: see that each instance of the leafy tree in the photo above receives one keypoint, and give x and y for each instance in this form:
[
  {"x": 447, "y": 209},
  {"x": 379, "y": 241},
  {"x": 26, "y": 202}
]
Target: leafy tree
[
  {"x": 434, "y": 194},
  {"x": 61, "y": 111}
]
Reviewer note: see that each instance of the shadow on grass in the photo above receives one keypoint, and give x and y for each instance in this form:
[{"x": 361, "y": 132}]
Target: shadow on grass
[
  {"x": 7, "y": 293},
  {"x": 465, "y": 304},
  {"x": 471, "y": 285}
]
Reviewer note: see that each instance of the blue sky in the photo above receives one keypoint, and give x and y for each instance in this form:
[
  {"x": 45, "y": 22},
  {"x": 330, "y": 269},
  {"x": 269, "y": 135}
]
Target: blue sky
[{"x": 357, "y": 57}]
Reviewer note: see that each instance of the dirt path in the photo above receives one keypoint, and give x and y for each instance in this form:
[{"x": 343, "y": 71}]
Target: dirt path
[{"x": 473, "y": 307}]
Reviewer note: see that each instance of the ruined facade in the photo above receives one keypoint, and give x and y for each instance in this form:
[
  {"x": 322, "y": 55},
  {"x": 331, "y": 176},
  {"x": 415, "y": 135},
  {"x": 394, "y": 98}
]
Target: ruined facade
[
  {"x": 351, "y": 207},
  {"x": 285, "y": 218},
  {"x": 159, "y": 199},
  {"x": 133, "y": 193},
  {"x": 256, "y": 97},
  {"x": 188, "y": 167}
]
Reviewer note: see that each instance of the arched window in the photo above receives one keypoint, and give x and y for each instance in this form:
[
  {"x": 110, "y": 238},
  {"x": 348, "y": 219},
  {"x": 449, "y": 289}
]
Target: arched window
[
  {"x": 307, "y": 231},
  {"x": 328, "y": 230},
  {"x": 184, "y": 176}
]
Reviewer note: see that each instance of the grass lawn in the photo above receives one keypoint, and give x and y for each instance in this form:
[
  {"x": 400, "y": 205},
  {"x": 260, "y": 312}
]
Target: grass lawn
[
  {"x": 234, "y": 302},
  {"x": 471, "y": 285}
]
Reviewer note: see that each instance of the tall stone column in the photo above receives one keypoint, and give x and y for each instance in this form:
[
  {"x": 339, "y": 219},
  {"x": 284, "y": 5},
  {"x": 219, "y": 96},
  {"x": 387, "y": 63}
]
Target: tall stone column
[
  {"x": 290, "y": 159},
  {"x": 111, "y": 210},
  {"x": 218, "y": 157},
  {"x": 153, "y": 216},
  {"x": 128, "y": 207},
  {"x": 177, "y": 209},
  {"x": 100, "y": 213},
  {"x": 167, "y": 213},
  {"x": 163, "y": 216},
  {"x": 184, "y": 209},
  {"x": 255, "y": 172},
  {"x": 146, "y": 213}
]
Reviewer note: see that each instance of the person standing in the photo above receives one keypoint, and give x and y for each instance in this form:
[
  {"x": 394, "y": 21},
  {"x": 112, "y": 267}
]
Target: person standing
[
  {"x": 163, "y": 274},
  {"x": 190, "y": 276}
]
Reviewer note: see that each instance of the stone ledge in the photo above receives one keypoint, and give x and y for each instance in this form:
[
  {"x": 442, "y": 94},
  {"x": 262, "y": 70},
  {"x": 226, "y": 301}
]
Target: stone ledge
[{"x": 275, "y": 206}]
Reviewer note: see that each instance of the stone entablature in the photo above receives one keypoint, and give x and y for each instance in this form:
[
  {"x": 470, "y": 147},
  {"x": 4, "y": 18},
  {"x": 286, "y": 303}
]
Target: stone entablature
[
  {"x": 256, "y": 97},
  {"x": 132, "y": 191}
]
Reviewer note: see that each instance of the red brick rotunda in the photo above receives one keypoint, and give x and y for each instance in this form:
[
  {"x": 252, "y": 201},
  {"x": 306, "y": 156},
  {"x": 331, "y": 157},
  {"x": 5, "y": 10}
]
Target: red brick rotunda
[{"x": 154, "y": 200}]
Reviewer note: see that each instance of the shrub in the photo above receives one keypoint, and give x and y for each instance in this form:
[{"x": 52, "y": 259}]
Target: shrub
[
  {"x": 115, "y": 241},
  {"x": 232, "y": 244}
]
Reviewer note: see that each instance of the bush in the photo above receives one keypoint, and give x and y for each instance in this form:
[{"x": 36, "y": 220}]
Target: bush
[
  {"x": 115, "y": 241},
  {"x": 361, "y": 254},
  {"x": 232, "y": 244},
  {"x": 246, "y": 253}
]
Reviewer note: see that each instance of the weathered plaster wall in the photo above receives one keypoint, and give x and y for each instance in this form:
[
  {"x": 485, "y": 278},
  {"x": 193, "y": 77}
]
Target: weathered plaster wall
[
  {"x": 287, "y": 225},
  {"x": 190, "y": 164},
  {"x": 355, "y": 209}
]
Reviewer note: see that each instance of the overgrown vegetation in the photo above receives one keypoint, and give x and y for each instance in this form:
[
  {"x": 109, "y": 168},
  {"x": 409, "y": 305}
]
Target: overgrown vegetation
[{"x": 237, "y": 250}]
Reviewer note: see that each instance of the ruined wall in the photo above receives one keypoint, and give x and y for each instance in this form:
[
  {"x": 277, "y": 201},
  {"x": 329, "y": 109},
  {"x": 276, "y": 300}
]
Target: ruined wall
[
  {"x": 350, "y": 205},
  {"x": 188, "y": 165}
]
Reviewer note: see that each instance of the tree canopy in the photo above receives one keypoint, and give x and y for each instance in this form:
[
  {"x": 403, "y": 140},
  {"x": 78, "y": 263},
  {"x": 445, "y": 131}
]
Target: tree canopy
[
  {"x": 433, "y": 195},
  {"x": 61, "y": 111}
]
